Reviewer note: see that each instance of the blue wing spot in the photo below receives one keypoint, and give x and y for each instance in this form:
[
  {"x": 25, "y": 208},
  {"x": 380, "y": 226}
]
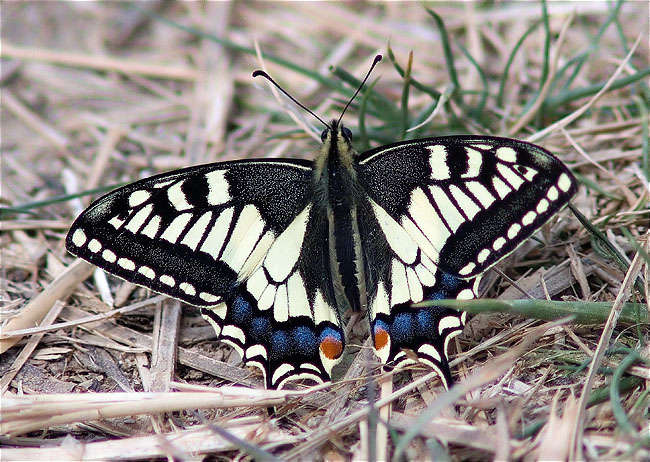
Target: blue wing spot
[
  {"x": 241, "y": 311},
  {"x": 426, "y": 323},
  {"x": 280, "y": 345},
  {"x": 402, "y": 328},
  {"x": 305, "y": 339},
  {"x": 260, "y": 329},
  {"x": 449, "y": 282}
]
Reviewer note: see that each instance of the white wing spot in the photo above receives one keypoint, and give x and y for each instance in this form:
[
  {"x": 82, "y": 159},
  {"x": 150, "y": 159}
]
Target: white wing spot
[
  {"x": 564, "y": 182},
  {"x": 425, "y": 276},
  {"x": 210, "y": 298},
  {"x": 174, "y": 230},
  {"x": 197, "y": 231},
  {"x": 116, "y": 222},
  {"x": 449, "y": 211},
  {"x": 438, "y": 162},
  {"x": 285, "y": 251},
  {"x": 109, "y": 256},
  {"x": 256, "y": 350},
  {"x": 213, "y": 243},
  {"x": 138, "y": 197},
  {"x": 527, "y": 172},
  {"x": 528, "y": 218},
  {"x": 147, "y": 272},
  {"x": 398, "y": 239},
  {"x": 266, "y": 302},
  {"x": 152, "y": 227},
  {"x": 162, "y": 184},
  {"x": 542, "y": 206},
  {"x": 513, "y": 230},
  {"x": 167, "y": 280},
  {"x": 499, "y": 243},
  {"x": 297, "y": 295},
  {"x": 448, "y": 322},
  {"x": 257, "y": 283},
  {"x": 502, "y": 189},
  {"x": 415, "y": 287},
  {"x": 234, "y": 332},
  {"x": 177, "y": 197},
  {"x": 280, "y": 371},
  {"x": 399, "y": 284},
  {"x": 465, "y": 294},
  {"x": 552, "y": 193},
  {"x": 217, "y": 187},
  {"x": 139, "y": 218},
  {"x": 467, "y": 268},
  {"x": 483, "y": 255},
  {"x": 474, "y": 162},
  {"x": 94, "y": 246},
  {"x": 188, "y": 288},
  {"x": 507, "y": 154},
  {"x": 430, "y": 350},
  {"x": 466, "y": 204},
  {"x": 79, "y": 237},
  {"x": 322, "y": 310},
  {"x": 511, "y": 177},
  {"x": 126, "y": 263},
  {"x": 380, "y": 304},
  {"x": 247, "y": 231},
  {"x": 481, "y": 193}
]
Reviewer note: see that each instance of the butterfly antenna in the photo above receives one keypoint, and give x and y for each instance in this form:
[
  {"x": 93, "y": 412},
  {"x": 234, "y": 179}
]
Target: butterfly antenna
[
  {"x": 277, "y": 85},
  {"x": 374, "y": 63}
]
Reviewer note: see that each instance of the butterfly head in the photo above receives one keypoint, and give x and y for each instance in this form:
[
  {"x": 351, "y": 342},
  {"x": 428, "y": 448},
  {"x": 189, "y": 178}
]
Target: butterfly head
[{"x": 335, "y": 131}]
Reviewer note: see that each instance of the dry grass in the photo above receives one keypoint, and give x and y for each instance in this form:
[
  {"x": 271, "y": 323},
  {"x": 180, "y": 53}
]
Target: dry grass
[{"x": 95, "y": 94}]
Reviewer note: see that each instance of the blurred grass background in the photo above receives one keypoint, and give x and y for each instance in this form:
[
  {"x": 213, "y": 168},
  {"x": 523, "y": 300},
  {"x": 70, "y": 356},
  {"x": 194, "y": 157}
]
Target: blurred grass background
[{"x": 97, "y": 94}]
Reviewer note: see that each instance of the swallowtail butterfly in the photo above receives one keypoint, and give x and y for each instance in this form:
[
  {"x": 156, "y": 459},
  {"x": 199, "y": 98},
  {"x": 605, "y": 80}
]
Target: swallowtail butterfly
[{"x": 273, "y": 250}]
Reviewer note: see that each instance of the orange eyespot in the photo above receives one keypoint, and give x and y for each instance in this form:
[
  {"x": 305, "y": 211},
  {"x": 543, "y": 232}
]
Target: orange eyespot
[
  {"x": 381, "y": 338},
  {"x": 331, "y": 347}
]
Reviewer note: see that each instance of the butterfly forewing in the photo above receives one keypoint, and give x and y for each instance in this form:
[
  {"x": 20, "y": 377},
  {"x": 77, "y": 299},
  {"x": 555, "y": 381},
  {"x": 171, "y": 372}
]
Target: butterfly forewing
[
  {"x": 240, "y": 240},
  {"x": 467, "y": 201}
]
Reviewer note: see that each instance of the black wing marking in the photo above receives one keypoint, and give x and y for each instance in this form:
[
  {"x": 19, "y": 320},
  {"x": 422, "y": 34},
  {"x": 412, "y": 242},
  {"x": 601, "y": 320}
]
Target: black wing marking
[
  {"x": 467, "y": 201},
  {"x": 189, "y": 233},
  {"x": 210, "y": 236},
  {"x": 398, "y": 273},
  {"x": 283, "y": 318}
]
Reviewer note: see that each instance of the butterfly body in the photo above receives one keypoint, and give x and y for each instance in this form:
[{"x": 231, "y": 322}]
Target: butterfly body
[{"x": 273, "y": 251}]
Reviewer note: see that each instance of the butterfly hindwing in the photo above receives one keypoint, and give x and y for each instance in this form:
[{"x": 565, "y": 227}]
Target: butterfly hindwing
[
  {"x": 399, "y": 274},
  {"x": 282, "y": 317},
  {"x": 466, "y": 200}
]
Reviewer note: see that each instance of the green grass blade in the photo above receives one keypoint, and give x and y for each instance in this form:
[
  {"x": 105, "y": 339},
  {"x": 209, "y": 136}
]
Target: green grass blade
[
  {"x": 511, "y": 58},
  {"x": 581, "y": 59},
  {"x": 404, "y": 119},
  {"x": 590, "y": 90},
  {"x": 478, "y": 110},
  {"x": 599, "y": 237},
  {"x": 25, "y": 208},
  {"x": 449, "y": 57},
  {"x": 547, "y": 310}
]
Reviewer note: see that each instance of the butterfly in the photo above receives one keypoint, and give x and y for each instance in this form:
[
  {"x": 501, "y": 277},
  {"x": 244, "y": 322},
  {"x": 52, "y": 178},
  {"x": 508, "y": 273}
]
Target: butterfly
[{"x": 273, "y": 251}]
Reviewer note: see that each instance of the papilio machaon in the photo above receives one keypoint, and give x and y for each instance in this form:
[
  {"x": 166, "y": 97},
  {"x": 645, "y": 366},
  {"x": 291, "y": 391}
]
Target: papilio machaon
[{"x": 273, "y": 250}]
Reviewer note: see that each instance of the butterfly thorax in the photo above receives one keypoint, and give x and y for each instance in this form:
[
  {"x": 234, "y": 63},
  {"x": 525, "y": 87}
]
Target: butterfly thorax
[{"x": 335, "y": 181}]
